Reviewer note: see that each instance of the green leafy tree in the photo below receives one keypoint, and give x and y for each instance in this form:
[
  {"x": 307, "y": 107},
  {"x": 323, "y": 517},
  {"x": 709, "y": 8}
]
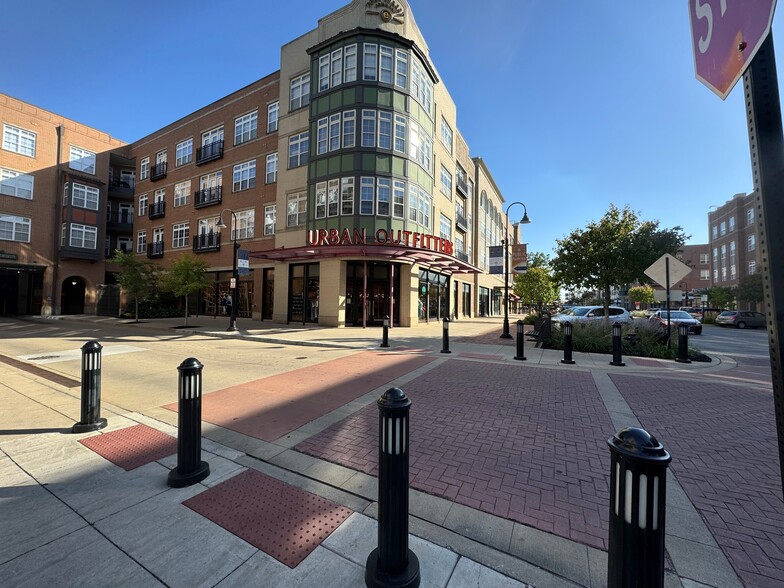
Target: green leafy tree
[
  {"x": 614, "y": 251},
  {"x": 138, "y": 277},
  {"x": 186, "y": 275},
  {"x": 538, "y": 259},
  {"x": 720, "y": 297},
  {"x": 642, "y": 294},
  {"x": 749, "y": 289},
  {"x": 536, "y": 287}
]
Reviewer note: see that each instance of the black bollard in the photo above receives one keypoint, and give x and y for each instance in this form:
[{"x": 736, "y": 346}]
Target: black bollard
[
  {"x": 446, "y": 336},
  {"x": 385, "y": 334},
  {"x": 616, "y": 345},
  {"x": 683, "y": 344},
  {"x": 567, "y": 331},
  {"x": 190, "y": 468},
  {"x": 90, "y": 418},
  {"x": 520, "y": 341},
  {"x": 392, "y": 563},
  {"x": 637, "y": 502}
]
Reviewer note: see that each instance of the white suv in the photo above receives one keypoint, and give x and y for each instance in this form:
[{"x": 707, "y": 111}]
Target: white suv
[{"x": 578, "y": 314}]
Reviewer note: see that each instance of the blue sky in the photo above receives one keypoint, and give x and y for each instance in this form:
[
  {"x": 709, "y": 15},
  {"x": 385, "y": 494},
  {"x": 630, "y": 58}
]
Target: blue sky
[{"x": 573, "y": 105}]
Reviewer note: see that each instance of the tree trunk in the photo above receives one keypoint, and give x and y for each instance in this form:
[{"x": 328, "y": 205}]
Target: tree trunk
[
  {"x": 136, "y": 301},
  {"x": 607, "y": 304},
  {"x": 186, "y": 310}
]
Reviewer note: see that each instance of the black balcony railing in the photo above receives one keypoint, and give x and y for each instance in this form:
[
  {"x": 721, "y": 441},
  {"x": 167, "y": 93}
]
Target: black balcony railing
[
  {"x": 157, "y": 209},
  {"x": 120, "y": 217},
  {"x": 158, "y": 171},
  {"x": 121, "y": 186},
  {"x": 207, "y": 197},
  {"x": 206, "y": 242},
  {"x": 461, "y": 222},
  {"x": 462, "y": 186},
  {"x": 155, "y": 249},
  {"x": 209, "y": 152}
]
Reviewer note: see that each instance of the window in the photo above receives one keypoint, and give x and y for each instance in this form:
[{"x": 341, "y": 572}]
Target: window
[
  {"x": 180, "y": 235},
  {"x": 157, "y": 237},
  {"x": 749, "y": 216},
  {"x": 212, "y": 136},
  {"x": 141, "y": 242},
  {"x": 160, "y": 157},
  {"x": 446, "y": 182},
  {"x": 336, "y": 67},
  {"x": 723, "y": 254},
  {"x": 144, "y": 168},
  {"x": 244, "y": 226},
  {"x": 245, "y": 127},
  {"x": 752, "y": 267},
  {"x": 401, "y": 68},
  {"x": 160, "y": 195},
  {"x": 19, "y": 140},
  {"x": 716, "y": 275},
  {"x": 321, "y": 200},
  {"x": 143, "y": 205},
  {"x": 349, "y": 128},
  {"x": 296, "y": 207},
  {"x": 244, "y": 176},
  {"x": 752, "y": 242},
  {"x": 421, "y": 86},
  {"x": 183, "y": 152},
  {"x": 398, "y": 198},
  {"x": 124, "y": 244},
  {"x": 321, "y": 135},
  {"x": 85, "y": 196},
  {"x": 732, "y": 251},
  {"x": 16, "y": 184},
  {"x": 733, "y": 273},
  {"x": 445, "y": 227},
  {"x": 703, "y": 258},
  {"x": 350, "y": 63},
  {"x": 272, "y": 169},
  {"x": 366, "y": 196},
  {"x": 83, "y": 236},
  {"x": 400, "y": 133},
  {"x": 424, "y": 209},
  {"x": 385, "y": 130},
  {"x": 300, "y": 92},
  {"x": 334, "y": 132},
  {"x": 181, "y": 192},
  {"x": 272, "y": 117},
  {"x": 723, "y": 228},
  {"x": 412, "y": 203},
  {"x": 82, "y": 160},
  {"x": 14, "y": 228},
  {"x": 269, "y": 220},
  {"x": 386, "y": 64},
  {"x": 732, "y": 223},
  {"x": 369, "y": 61},
  {"x": 383, "y": 196},
  {"x": 368, "y": 128},
  {"x": 704, "y": 275},
  {"x": 446, "y": 135},
  {"x": 298, "y": 150},
  {"x": 333, "y": 197},
  {"x": 347, "y": 196}
]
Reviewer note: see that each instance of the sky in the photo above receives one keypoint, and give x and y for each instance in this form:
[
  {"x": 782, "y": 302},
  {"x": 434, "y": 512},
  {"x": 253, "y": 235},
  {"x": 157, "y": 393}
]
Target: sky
[{"x": 573, "y": 105}]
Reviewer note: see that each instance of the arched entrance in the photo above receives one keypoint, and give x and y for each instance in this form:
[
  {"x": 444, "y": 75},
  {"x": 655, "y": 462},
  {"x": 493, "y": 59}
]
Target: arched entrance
[{"x": 72, "y": 296}]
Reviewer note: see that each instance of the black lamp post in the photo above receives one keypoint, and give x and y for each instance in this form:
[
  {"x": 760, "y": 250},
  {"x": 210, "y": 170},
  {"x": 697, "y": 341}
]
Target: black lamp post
[
  {"x": 235, "y": 299},
  {"x": 505, "y": 243}
]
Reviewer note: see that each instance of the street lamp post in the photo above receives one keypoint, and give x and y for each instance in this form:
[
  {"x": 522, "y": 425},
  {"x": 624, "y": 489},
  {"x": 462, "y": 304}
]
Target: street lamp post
[
  {"x": 235, "y": 299},
  {"x": 505, "y": 242}
]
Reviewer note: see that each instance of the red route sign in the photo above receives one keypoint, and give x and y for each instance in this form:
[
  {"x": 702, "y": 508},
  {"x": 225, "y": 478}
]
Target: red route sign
[{"x": 726, "y": 35}]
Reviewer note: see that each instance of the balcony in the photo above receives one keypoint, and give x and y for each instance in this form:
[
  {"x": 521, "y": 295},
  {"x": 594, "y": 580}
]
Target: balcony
[
  {"x": 208, "y": 197},
  {"x": 462, "y": 256},
  {"x": 121, "y": 187},
  {"x": 206, "y": 242},
  {"x": 157, "y": 210},
  {"x": 209, "y": 152},
  {"x": 461, "y": 222},
  {"x": 158, "y": 171},
  {"x": 462, "y": 186},
  {"x": 155, "y": 249},
  {"x": 120, "y": 219}
]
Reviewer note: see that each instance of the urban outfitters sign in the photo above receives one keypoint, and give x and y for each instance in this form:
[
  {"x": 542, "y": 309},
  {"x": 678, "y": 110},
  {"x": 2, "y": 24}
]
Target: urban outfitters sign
[{"x": 321, "y": 237}]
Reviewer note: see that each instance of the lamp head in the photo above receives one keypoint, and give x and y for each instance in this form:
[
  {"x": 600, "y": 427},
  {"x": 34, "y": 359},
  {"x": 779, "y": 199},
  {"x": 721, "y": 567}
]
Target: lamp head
[
  {"x": 220, "y": 224},
  {"x": 526, "y": 220}
]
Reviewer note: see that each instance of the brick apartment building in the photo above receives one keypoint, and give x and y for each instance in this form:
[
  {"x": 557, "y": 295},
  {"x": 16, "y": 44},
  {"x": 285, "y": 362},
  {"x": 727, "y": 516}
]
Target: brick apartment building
[
  {"x": 367, "y": 200},
  {"x": 734, "y": 240}
]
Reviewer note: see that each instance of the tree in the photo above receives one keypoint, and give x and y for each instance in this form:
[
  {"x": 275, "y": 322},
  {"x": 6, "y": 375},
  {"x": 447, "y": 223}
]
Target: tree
[
  {"x": 613, "y": 251},
  {"x": 538, "y": 259},
  {"x": 642, "y": 294},
  {"x": 186, "y": 275},
  {"x": 137, "y": 277},
  {"x": 749, "y": 289},
  {"x": 720, "y": 297},
  {"x": 536, "y": 286}
]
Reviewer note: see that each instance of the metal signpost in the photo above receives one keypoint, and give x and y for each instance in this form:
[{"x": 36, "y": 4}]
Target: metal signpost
[
  {"x": 729, "y": 37},
  {"x": 667, "y": 271}
]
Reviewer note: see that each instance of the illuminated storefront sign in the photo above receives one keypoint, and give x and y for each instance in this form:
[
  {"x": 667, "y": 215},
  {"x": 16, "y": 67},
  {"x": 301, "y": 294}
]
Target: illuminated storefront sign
[{"x": 317, "y": 238}]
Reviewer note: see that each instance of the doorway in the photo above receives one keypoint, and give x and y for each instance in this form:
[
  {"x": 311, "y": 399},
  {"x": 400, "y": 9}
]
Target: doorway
[
  {"x": 268, "y": 296},
  {"x": 374, "y": 296},
  {"x": 72, "y": 296}
]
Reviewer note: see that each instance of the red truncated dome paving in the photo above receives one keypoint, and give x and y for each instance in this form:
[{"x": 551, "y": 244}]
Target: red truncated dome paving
[
  {"x": 281, "y": 520},
  {"x": 132, "y": 447}
]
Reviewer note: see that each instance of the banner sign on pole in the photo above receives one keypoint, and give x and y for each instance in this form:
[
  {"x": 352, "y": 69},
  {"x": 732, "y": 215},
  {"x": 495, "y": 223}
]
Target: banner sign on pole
[
  {"x": 243, "y": 262},
  {"x": 496, "y": 265}
]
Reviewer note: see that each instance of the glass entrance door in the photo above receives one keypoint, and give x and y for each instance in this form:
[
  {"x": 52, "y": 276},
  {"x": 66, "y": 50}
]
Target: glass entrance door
[{"x": 376, "y": 299}]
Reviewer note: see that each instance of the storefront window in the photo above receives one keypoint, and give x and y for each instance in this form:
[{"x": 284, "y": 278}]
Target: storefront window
[
  {"x": 304, "y": 293},
  {"x": 433, "y": 296}
]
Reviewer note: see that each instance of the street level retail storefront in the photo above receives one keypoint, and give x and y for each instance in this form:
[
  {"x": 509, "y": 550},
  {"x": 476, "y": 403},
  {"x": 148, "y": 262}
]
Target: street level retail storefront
[{"x": 343, "y": 278}]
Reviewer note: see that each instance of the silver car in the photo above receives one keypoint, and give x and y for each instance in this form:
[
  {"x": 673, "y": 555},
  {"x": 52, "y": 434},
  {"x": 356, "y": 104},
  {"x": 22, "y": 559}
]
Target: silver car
[
  {"x": 578, "y": 314},
  {"x": 741, "y": 319}
]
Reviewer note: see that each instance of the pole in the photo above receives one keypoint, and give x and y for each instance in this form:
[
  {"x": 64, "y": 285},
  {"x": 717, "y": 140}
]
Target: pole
[
  {"x": 764, "y": 122},
  {"x": 235, "y": 299},
  {"x": 667, "y": 279},
  {"x": 505, "y": 242}
]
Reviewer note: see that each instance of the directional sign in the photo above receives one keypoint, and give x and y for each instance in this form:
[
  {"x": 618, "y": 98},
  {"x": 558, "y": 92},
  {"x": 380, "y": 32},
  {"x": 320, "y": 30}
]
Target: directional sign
[
  {"x": 726, "y": 35},
  {"x": 657, "y": 271}
]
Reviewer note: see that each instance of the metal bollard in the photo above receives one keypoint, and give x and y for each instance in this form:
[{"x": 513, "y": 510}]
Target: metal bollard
[
  {"x": 392, "y": 563},
  {"x": 520, "y": 341},
  {"x": 637, "y": 504},
  {"x": 567, "y": 331},
  {"x": 385, "y": 335},
  {"x": 683, "y": 344},
  {"x": 445, "y": 348},
  {"x": 616, "y": 344},
  {"x": 90, "y": 418},
  {"x": 190, "y": 468}
]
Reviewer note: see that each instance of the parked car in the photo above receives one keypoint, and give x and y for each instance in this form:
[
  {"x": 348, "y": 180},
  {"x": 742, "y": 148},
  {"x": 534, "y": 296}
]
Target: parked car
[
  {"x": 741, "y": 319},
  {"x": 693, "y": 311},
  {"x": 676, "y": 317},
  {"x": 578, "y": 314}
]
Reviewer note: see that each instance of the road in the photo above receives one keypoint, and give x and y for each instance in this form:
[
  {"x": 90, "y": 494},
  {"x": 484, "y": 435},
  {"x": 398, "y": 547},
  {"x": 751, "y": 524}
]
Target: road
[{"x": 748, "y": 347}]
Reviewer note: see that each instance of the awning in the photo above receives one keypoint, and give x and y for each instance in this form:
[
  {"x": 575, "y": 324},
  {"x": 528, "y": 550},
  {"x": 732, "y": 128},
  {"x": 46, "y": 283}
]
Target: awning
[{"x": 433, "y": 260}]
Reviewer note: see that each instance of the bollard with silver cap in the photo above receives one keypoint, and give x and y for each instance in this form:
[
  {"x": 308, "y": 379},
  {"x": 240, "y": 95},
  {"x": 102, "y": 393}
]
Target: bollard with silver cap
[
  {"x": 520, "y": 341},
  {"x": 190, "y": 468},
  {"x": 90, "y": 418},
  {"x": 385, "y": 333},
  {"x": 683, "y": 344},
  {"x": 616, "y": 346},
  {"x": 567, "y": 332},
  {"x": 445, "y": 348}
]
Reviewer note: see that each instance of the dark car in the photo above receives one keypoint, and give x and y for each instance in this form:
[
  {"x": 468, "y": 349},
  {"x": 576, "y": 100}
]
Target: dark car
[
  {"x": 741, "y": 319},
  {"x": 676, "y": 317}
]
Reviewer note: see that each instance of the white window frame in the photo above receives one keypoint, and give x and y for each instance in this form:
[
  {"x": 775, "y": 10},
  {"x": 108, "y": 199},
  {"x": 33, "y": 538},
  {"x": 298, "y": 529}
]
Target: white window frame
[
  {"x": 334, "y": 131},
  {"x": 19, "y": 140},
  {"x": 271, "y": 169},
  {"x": 212, "y": 136},
  {"x": 704, "y": 275},
  {"x": 751, "y": 242},
  {"x": 298, "y": 150},
  {"x": 182, "y": 192},
  {"x": 383, "y": 196},
  {"x": 386, "y": 64},
  {"x": 157, "y": 235},
  {"x": 183, "y": 152},
  {"x": 296, "y": 209},
  {"x": 144, "y": 168},
  {"x": 321, "y": 135},
  {"x": 752, "y": 269},
  {"x": 401, "y": 127},
  {"x": 346, "y": 196},
  {"x": 323, "y": 73},
  {"x": 273, "y": 113},
  {"x": 242, "y": 227},
  {"x": 15, "y": 228},
  {"x": 336, "y": 68},
  {"x": 732, "y": 223},
  {"x": 143, "y": 203},
  {"x": 246, "y": 127},
  {"x": 83, "y": 236},
  {"x": 723, "y": 228},
  {"x": 398, "y": 199},
  {"x": 401, "y": 68},
  {"x": 299, "y": 92},
  {"x": 244, "y": 176},
  {"x": 349, "y": 128},
  {"x": 368, "y": 128},
  {"x": 447, "y": 136},
  {"x": 82, "y": 160},
  {"x": 270, "y": 215},
  {"x": 141, "y": 241},
  {"x": 446, "y": 182},
  {"x": 369, "y": 62},
  {"x": 180, "y": 235},
  {"x": 87, "y": 197},
  {"x": 384, "y": 130},
  {"x": 367, "y": 196},
  {"x": 350, "y": 63},
  {"x": 749, "y": 216},
  {"x": 321, "y": 200},
  {"x": 17, "y": 184},
  {"x": 333, "y": 197},
  {"x": 704, "y": 258}
]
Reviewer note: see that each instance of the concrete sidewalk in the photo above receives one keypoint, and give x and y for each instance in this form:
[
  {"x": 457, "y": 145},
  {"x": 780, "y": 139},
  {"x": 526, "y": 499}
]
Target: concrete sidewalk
[{"x": 69, "y": 507}]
